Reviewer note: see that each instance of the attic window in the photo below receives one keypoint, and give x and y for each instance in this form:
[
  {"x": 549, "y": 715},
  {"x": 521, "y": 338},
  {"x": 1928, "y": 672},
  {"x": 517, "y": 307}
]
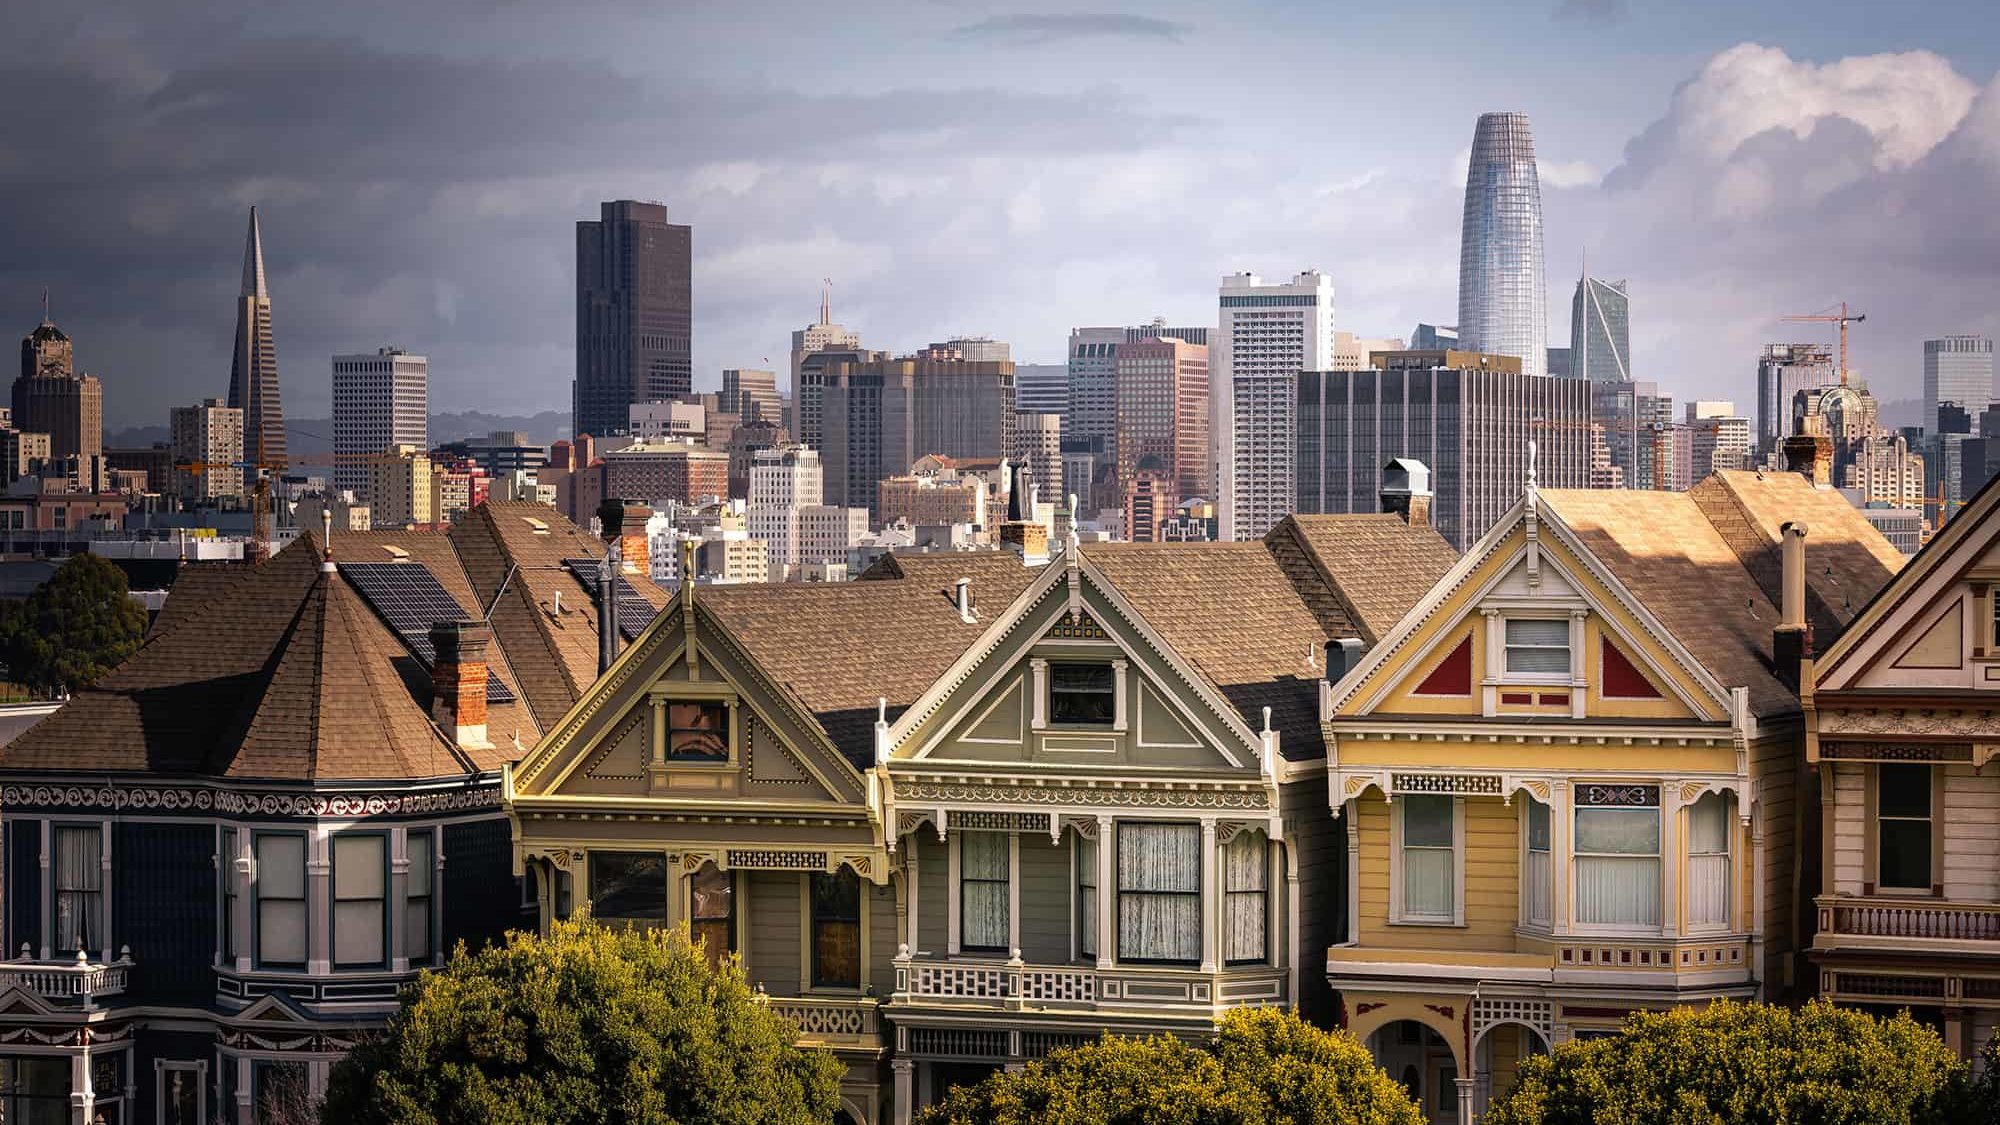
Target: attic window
[
  {"x": 1082, "y": 693},
  {"x": 1537, "y": 646},
  {"x": 698, "y": 732}
]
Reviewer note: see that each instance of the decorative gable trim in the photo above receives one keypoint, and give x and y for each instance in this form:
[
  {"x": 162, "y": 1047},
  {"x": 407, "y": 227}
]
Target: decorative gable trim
[
  {"x": 1618, "y": 677},
  {"x": 1453, "y": 675}
]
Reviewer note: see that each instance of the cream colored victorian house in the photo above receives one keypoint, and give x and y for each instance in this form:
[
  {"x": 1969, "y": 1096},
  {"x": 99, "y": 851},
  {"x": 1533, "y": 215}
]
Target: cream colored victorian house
[
  {"x": 1903, "y": 721},
  {"x": 1568, "y": 777}
]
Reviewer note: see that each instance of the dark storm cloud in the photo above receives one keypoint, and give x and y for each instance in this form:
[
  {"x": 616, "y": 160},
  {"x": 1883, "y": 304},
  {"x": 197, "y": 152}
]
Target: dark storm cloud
[{"x": 1035, "y": 30}]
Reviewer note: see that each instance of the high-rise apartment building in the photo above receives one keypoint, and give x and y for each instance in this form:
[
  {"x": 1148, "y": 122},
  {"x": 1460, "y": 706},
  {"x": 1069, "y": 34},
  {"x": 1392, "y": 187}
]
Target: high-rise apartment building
[
  {"x": 1265, "y": 336},
  {"x": 50, "y": 397},
  {"x": 1502, "y": 291},
  {"x": 783, "y": 482},
  {"x": 1470, "y": 417},
  {"x": 752, "y": 394},
  {"x": 1163, "y": 421},
  {"x": 210, "y": 435},
  {"x": 1783, "y": 370},
  {"x": 253, "y": 371},
  {"x": 634, "y": 313},
  {"x": 1600, "y": 331},
  {"x": 879, "y": 415},
  {"x": 399, "y": 487},
  {"x": 379, "y": 401},
  {"x": 1718, "y": 439},
  {"x": 1038, "y": 449},
  {"x": 1957, "y": 369},
  {"x": 818, "y": 337}
]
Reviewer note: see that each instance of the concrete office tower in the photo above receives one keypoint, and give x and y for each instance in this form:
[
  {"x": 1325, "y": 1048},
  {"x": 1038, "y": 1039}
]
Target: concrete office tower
[
  {"x": 1719, "y": 439},
  {"x": 1600, "y": 331},
  {"x": 1265, "y": 336},
  {"x": 50, "y": 397},
  {"x": 1434, "y": 338},
  {"x": 379, "y": 401},
  {"x": 877, "y": 416},
  {"x": 822, "y": 336},
  {"x": 1502, "y": 291},
  {"x": 634, "y": 313},
  {"x": 253, "y": 372},
  {"x": 212, "y": 434},
  {"x": 1470, "y": 417},
  {"x": 1163, "y": 422},
  {"x": 1038, "y": 449},
  {"x": 783, "y": 482},
  {"x": 809, "y": 394},
  {"x": 1092, "y": 419},
  {"x": 1957, "y": 369},
  {"x": 1041, "y": 388},
  {"x": 1782, "y": 372},
  {"x": 752, "y": 394}
]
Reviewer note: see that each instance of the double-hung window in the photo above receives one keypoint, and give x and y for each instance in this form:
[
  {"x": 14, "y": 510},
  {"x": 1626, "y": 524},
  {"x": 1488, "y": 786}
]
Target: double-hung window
[
  {"x": 836, "y": 930},
  {"x": 1537, "y": 882},
  {"x": 1159, "y": 893},
  {"x": 1086, "y": 896},
  {"x": 1618, "y": 856},
  {"x": 712, "y": 917},
  {"x": 1083, "y": 694},
  {"x": 983, "y": 870},
  {"x": 360, "y": 894},
  {"x": 79, "y": 887},
  {"x": 281, "y": 899},
  {"x": 629, "y": 889},
  {"x": 417, "y": 900},
  {"x": 226, "y": 873},
  {"x": 1537, "y": 646},
  {"x": 1429, "y": 859},
  {"x": 1708, "y": 887},
  {"x": 1903, "y": 828},
  {"x": 698, "y": 732},
  {"x": 1245, "y": 863}
]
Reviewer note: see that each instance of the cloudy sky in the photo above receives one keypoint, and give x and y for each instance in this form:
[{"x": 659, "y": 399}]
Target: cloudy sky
[{"x": 961, "y": 167}]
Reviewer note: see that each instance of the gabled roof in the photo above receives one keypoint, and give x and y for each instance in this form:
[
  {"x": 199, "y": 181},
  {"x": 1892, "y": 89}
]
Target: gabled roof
[{"x": 1361, "y": 572}]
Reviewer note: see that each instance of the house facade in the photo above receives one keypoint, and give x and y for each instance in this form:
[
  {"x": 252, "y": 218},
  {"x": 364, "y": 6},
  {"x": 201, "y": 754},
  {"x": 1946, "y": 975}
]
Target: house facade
[
  {"x": 1901, "y": 725},
  {"x": 1567, "y": 779}
]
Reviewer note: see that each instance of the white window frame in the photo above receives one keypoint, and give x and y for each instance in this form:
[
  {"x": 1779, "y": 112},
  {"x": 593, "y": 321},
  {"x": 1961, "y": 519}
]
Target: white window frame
[
  {"x": 432, "y": 954},
  {"x": 1397, "y": 916},
  {"x": 380, "y": 899},
  {"x": 1231, "y": 895},
  {"x": 1659, "y": 811},
  {"x": 1528, "y": 917},
  {"x": 1508, "y": 675},
  {"x": 258, "y": 899},
  {"x": 1013, "y": 853},
  {"x": 1728, "y": 854},
  {"x": 196, "y": 1067},
  {"x": 1084, "y": 920}
]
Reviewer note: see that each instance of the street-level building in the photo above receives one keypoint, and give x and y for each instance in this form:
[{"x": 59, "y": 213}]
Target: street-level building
[
  {"x": 1568, "y": 779},
  {"x": 1901, "y": 726}
]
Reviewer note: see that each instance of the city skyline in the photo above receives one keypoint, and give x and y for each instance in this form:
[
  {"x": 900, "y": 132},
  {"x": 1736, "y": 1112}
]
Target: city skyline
[{"x": 440, "y": 230}]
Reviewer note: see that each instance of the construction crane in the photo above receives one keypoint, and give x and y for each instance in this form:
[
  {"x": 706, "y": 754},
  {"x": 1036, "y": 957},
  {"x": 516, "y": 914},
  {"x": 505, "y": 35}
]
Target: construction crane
[{"x": 1842, "y": 318}]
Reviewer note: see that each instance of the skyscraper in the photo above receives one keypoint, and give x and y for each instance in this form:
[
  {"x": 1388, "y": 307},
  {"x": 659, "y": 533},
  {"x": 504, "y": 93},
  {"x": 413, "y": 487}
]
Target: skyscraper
[
  {"x": 51, "y": 398},
  {"x": 878, "y": 415},
  {"x": 1091, "y": 423},
  {"x": 379, "y": 401},
  {"x": 1041, "y": 388},
  {"x": 1600, "y": 331},
  {"x": 253, "y": 372},
  {"x": 1502, "y": 292},
  {"x": 1782, "y": 371},
  {"x": 634, "y": 313},
  {"x": 753, "y": 394},
  {"x": 1957, "y": 369},
  {"x": 1265, "y": 336},
  {"x": 1163, "y": 415},
  {"x": 820, "y": 336},
  {"x": 212, "y": 434}
]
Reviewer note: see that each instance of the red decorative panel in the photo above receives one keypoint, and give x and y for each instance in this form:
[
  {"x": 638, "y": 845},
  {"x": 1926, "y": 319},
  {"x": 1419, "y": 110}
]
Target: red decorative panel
[
  {"x": 1561, "y": 700},
  {"x": 1518, "y": 698},
  {"x": 1622, "y": 679},
  {"x": 1453, "y": 676}
]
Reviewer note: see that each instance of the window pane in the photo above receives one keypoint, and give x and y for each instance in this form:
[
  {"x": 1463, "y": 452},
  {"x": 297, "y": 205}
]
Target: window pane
[
  {"x": 281, "y": 931},
  {"x": 1903, "y": 790},
  {"x": 629, "y": 887},
  {"x": 417, "y": 928},
  {"x": 1530, "y": 631},
  {"x": 1538, "y": 826},
  {"x": 698, "y": 731},
  {"x": 422, "y": 867},
  {"x": 1539, "y": 661},
  {"x": 281, "y": 867},
  {"x": 357, "y": 867},
  {"x": 983, "y": 855},
  {"x": 1159, "y": 857},
  {"x": 1905, "y": 859},
  {"x": 836, "y": 927},
  {"x": 1618, "y": 831},
  {"x": 79, "y": 859},
  {"x": 357, "y": 932},
  {"x": 1617, "y": 891},
  {"x": 1159, "y": 927},
  {"x": 1245, "y": 931},
  {"x": 714, "y": 893},
  {"x": 1427, "y": 882},
  {"x": 1427, "y": 822},
  {"x": 1081, "y": 693},
  {"x": 1243, "y": 862},
  {"x": 1708, "y": 825},
  {"x": 1081, "y": 677}
]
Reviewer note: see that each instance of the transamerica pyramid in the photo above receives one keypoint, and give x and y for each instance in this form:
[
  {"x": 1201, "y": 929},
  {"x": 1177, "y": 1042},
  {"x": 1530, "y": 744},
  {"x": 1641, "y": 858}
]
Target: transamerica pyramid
[{"x": 253, "y": 374}]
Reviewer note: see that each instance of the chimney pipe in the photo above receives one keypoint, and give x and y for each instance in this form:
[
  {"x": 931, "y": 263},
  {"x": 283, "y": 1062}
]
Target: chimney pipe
[
  {"x": 1342, "y": 654},
  {"x": 1791, "y": 641},
  {"x": 611, "y": 523},
  {"x": 458, "y": 680},
  {"x": 964, "y": 586}
]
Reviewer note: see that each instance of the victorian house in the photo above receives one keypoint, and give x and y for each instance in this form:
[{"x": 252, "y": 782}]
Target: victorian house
[
  {"x": 1902, "y": 721},
  {"x": 224, "y": 860},
  {"x": 1568, "y": 780},
  {"x": 967, "y": 810}
]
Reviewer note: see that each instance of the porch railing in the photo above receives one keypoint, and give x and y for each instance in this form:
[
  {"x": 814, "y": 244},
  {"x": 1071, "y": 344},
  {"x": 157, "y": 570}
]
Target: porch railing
[
  {"x": 1017, "y": 984},
  {"x": 82, "y": 979},
  {"x": 831, "y": 1021},
  {"x": 1920, "y": 919}
]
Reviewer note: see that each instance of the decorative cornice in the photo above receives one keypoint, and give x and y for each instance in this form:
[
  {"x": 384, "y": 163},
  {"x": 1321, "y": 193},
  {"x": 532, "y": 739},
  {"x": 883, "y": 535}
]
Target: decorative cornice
[
  {"x": 241, "y": 802},
  {"x": 1003, "y": 794},
  {"x": 1922, "y": 722}
]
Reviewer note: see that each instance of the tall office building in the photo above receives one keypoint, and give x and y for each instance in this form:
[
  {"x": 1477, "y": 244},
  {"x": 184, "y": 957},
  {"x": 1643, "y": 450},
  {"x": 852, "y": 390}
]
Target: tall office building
[
  {"x": 753, "y": 394},
  {"x": 1600, "y": 331},
  {"x": 783, "y": 481},
  {"x": 400, "y": 491},
  {"x": 379, "y": 401},
  {"x": 1957, "y": 369},
  {"x": 971, "y": 349},
  {"x": 207, "y": 433},
  {"x": 1265, "y": 336},
  {"x": 1718, "y": 439},
  {"x": 878, "y": 415},
  {"x": 1469, "y": 417},
  {"x": 1092, "y": 418},
  {"x": 1038, "y": 449},
  {"x": 820, "y": 336},
  {"x": 1434, "y": 338},
  {"x": 50, "y": 397},
  {"x": 809, "y": 394},
  {"x": 1041, "y": 388},
  {"x": 253, "y": 372},
  {"x": 1163, "y": 422},
  {"x": 1782, "y": 372},
  {"x": 1502, "y": 292},
  {"x": 634, "y": 313}
]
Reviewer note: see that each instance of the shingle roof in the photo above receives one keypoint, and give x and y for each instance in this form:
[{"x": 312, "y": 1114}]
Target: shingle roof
[
  {"x": 1365, "y": 570},
  {"x": 1847, "y": 558}
]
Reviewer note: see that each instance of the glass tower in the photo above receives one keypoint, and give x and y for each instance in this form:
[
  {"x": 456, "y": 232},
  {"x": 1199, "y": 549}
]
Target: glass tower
[
  {"x": 1502, "y": 293},
  {"x": 1600, "y": 332}
]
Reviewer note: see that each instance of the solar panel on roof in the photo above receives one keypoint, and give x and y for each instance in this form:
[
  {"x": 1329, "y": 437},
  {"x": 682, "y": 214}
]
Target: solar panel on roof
[
  {"x": 634, "y": 611},
  {"x": 410, "y": 599}
]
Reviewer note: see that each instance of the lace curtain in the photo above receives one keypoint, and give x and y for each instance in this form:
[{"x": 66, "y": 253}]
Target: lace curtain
[
  {"x": 1086, "y": 896},
  {"x": 1429, "y": 882},
  {"x": 982, "y": 873},
  {"x": 1537, "y": 885},
  {"x": 79, "y": 888},
  {"x": 1245, "y": 870},
  {"x": 1159, "y": 892},
  {"x": 1618, "y": 866},
  {"x": 1708, "y": 861}
]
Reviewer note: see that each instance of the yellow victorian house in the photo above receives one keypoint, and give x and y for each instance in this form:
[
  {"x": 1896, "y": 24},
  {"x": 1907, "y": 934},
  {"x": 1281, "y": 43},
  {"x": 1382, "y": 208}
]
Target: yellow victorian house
[{"x": 1569, "y": 776}]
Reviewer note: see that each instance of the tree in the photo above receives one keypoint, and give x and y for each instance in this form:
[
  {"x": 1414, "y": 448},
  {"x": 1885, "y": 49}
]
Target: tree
[
  {"x": 1745, "y": 1064},
  {"x": 1264, "y": 1067},
  {"x": 584, "y": 1026},
  {"x": 77, "y": 626}
]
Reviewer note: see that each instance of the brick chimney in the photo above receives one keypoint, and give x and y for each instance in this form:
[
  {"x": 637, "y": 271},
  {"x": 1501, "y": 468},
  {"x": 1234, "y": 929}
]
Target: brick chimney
[
  {"x": 1791, "y": 641},
  {"x": 634, "y": 548},
  {"x": 458, "y": 681}
]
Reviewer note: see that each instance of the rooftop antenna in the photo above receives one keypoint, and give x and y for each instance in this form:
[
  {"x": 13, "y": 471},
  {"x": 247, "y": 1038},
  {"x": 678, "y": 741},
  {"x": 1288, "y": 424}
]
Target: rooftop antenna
[
  {"x": 826, "y": 300},
  {"x": 45, "y": 305}
]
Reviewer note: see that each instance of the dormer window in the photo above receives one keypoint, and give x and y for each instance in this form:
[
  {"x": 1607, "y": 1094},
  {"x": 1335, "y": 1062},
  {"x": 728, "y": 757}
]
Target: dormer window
[
  {"x": 1537, "y": 646},
  {"x": 698, "y": 732},
  {"x": 1082, "y": 694}
]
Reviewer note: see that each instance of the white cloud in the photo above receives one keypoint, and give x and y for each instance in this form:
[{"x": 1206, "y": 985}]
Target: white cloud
[{"x": 1570, "y": 174}]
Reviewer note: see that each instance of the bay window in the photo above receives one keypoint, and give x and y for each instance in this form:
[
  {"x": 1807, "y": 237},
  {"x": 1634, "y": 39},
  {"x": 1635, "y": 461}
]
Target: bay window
[
  {"x": 629, "y": 889},
  {"x": 79, "y": 888},
  {"x": 1708, "y": 883},
  {"x": 1429, "y": 858},
  {"x": 1538, "y": 646},
  {"x": 418, "y": 897},
  {"x": 983, "y": 871},
  {"x": 1537, "y": 881},
  {"x": 712, "y": 913},
  {"x": 1159, "y": 893},
  {"x": 1903, "y": 828},
  {"x": 281, "y": 899},
  {"x": 836, "y": 930},
  {"x": 226, "y": 873},
  {"x": 1245, "y": 869},
  {"x": 1617, "y": 860},
  {"x": 1086, "y": 896},
  {"x": 360, "y": 890}
]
